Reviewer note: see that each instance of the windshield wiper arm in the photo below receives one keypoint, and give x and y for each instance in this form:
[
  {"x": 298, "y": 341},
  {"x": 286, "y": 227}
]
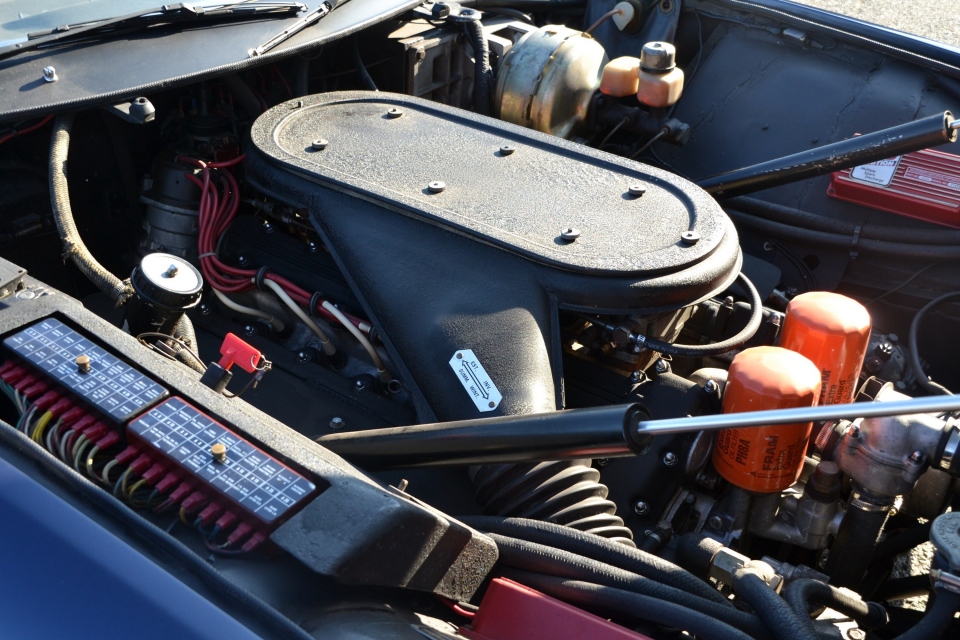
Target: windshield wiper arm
[
  {"x": 292, "y": 30},
  {"x": 166, "y": 14}
]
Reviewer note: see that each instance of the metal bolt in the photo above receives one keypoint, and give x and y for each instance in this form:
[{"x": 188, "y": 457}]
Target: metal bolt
[
  {"x": 436, "y": 186},
  {"x": 205, "y": 309},
  {"x": 690, "y": 238},
  {"x": 394, "y": 113},
  {"x": 715, "y": 522},
  {"x": 219, "y": 452},
  {"x": 250, "y": 330},
  {"x": 916, "y": 457},
  {"x": 602, "y": 462},
  {"x": 661, "y": 366},
  {"x": 244, "y": 261},
  {"x": 570, "y": 234},
  {"x": 507, "y": 150},
  {"x": 171, "y": 271},
  {"x": 637, "y": 190},
  {"x": 319, "y": 144},
  {"x": 268, "y": 227},
  {"x": 670, "y": 458},
  {"x": 768, "y": 246},
  {"x": 312, "y": 246},
  {"x": 636, "y": 376},
  {"x": 854, "y": 431},
  {"x": 690, "y": 498},
  {"x": 711, "y": 386},
  {"x": 50, "y": 74},
  {"x": 459, "y": 356},
  {"x": 303, "y": 357},
  {"x": 83, "y": 363},
  {"x": 360, "y": 385},
  {"x": 641, "y": 508},
  {"x": 337, "y": 423},
  {"x": 402, "y": 485}
]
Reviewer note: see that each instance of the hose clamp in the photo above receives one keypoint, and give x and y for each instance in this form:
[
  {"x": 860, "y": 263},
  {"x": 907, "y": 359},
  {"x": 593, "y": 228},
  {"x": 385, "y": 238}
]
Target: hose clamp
[
  {"x": 950, "y": 450},
  {"x": 945, "y": 580}
]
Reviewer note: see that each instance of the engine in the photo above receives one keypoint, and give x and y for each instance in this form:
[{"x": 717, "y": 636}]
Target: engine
[{"x": 430, "y": 315}]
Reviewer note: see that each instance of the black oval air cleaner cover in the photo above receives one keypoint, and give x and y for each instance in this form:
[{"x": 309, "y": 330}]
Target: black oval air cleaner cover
[{"x": 453, "y": 243}]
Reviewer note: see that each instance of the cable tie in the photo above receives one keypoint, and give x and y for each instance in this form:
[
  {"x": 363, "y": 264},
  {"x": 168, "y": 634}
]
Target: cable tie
[
  {"x": 208, "y": 254},
  {"x": 854, "y": 248},
  {"x": 315, "y": 301},
  {"x": 261, "y": 274}
]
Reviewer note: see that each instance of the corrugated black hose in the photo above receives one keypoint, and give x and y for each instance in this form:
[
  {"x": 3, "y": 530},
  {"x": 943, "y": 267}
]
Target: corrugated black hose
[
  {"x": 599, "y": 549},
  {"x": 545, "y": 560}
]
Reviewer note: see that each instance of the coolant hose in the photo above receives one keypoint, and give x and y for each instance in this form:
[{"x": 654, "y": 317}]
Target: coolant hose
[
  {"x": 599, "y": 549},
  {"x": 481, "y": 69},
  {"x": 800, "y": 594},
  {"x": 243, "y": 94},
  {"x": 937, "y": 618},
  {"x": 853, "y": 547},
  {"x": 622, "y": 603},
  {"x": 776, "y": 614},
  {"x": 915, "y": 364},
  {"x": 706, "y": 350},
  {"x": 546, "y": 560},
  {"x": 73, "y": 246}
]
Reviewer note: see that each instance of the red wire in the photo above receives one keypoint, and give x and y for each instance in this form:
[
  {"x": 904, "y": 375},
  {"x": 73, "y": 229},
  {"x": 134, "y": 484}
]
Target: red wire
[
  {"x": 19, "y": 132},
  {"x": 219, "y": 204},
  {"x": 456, "y": 608}
]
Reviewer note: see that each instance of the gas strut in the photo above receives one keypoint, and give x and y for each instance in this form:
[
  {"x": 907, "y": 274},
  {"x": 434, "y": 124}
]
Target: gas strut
[
  {"x": 880, "y": 145},
  {"x": 604, "y": 432}
]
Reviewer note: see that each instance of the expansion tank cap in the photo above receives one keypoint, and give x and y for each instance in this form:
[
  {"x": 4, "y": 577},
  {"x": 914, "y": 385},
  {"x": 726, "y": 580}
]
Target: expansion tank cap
[{"x": 658, "y": 57}]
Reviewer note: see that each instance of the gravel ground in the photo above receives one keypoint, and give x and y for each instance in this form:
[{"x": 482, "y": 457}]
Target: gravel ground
[{"x": 928, "y": 18}]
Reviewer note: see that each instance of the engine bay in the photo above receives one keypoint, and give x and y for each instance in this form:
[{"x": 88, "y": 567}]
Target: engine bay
[{"x": 499, "y": 320}]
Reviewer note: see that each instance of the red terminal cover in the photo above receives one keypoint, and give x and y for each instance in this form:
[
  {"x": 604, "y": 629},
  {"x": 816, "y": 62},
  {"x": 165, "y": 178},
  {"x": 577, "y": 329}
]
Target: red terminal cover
[
  {"x": 511, "y": 611},
  {"x": 236, "y": 351},
  {"x": 923, "y": 185}
]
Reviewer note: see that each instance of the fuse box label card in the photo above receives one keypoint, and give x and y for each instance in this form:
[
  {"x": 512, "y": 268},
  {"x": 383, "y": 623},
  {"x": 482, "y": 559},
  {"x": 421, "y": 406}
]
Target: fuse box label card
[
  {"x": 879, "y": 173},
  {"x": 246, "y": 475},
  {"x": 475, "y": 380},
  {"x": 105, "y": 381}
]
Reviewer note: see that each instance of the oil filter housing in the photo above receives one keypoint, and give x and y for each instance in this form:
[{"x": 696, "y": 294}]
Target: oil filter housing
[
  {"x": 833, "y": 332},
  {"x": 766, "y": 459}
]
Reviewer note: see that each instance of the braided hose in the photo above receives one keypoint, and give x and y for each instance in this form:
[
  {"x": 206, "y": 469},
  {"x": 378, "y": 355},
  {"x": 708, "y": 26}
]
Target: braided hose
[{"x": 73, "y": 247}]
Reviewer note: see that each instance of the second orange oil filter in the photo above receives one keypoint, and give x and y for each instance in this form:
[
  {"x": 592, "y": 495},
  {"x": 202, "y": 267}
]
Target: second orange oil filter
[
  {"x": 833, "y": 331},
  {"x": 766, "y": 459}
]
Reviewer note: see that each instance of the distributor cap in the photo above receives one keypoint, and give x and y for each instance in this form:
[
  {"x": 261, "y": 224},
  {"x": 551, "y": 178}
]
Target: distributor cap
[{"x": 167, "y": 281}]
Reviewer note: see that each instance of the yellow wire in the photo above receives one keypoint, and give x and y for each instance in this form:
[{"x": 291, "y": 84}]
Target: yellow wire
[
  {"x": 40, "y": 425},
  {"x": 183, "y": 517},
  {"x": 136, "y": 485}
]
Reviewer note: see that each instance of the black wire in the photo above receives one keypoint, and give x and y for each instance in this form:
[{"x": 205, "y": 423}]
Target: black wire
[
  {"x": 915, "y": 363},
  {"x": 361, "y": 70}
]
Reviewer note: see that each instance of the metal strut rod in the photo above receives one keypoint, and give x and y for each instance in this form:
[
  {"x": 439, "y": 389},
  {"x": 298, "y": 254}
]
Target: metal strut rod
[
  {"x": 604, "y": 432},
  {"x": 880, "y": 145}
]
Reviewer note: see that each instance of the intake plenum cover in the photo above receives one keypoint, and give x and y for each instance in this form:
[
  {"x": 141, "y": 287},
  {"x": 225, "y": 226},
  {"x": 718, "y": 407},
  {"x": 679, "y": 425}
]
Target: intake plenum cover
[{"x": 450, "y": 228}]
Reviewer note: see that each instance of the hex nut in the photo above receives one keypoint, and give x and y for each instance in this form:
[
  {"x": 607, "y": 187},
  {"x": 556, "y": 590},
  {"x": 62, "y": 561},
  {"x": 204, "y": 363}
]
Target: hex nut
[
  {"x": 641, "y": 508},
  {"x": 690, "y": 238},
  {"x": 636, "y": 190},
  {"x": 337, "y": 423},
  {"x": 394, "y": 113},
  {"x": 319, "y": 144},
  {"x": 436, "y": 186},
  {"x": 507, "y": 150},
  {"x": 570, "y": 234}
]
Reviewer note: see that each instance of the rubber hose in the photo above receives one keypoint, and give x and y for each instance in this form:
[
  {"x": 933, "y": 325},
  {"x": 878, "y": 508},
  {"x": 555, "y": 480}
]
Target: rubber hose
[
  {"x": 158, "y": 540},
  {"x": 185, "y": 331},
  {"x": 937, "y": 618},
  {"x": 600, "y": 549},
  {"x": 481, "y": 66},
  {"x": 845, "y": 242},
  {"x": 73, "y": 245},
  {"x": 915, "y": 365},
  {"x": 902, "y": 588},
  {"x": 772, "y": 609},
  {"x": 301, "y": 77},
  {"x": 542, "y": 559},
  {"x": 800, "y": 594},
  {"x": 360, "y": 68},
  {"x": 243, "y": 94},
  {"x": 526, "y": 5},
  {"x": 807, "y": 220},
  {"x": 902, "y": 542},
  {"x": 622, "y": 603},
  {"x": 702, "y": 351},
  {"x": 695, "y": 552},
  {"x": 853, "y": 547}
]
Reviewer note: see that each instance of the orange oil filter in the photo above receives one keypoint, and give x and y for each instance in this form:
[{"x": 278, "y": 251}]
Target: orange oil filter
[
  {"x": 766, "y": 459},
  {"x": 833, "y": 331}
]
